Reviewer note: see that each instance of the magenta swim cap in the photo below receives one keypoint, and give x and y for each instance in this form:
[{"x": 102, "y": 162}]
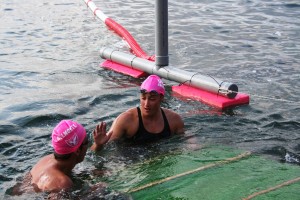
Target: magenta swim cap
[
  {"x": 153, "y": 83},
  {"x": 67, "y": 136}
]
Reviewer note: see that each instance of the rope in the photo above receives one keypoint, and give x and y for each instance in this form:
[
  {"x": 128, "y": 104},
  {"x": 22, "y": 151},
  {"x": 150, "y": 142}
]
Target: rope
[
  {"x": 253, "y": 95},
  {"x": 275, "y": 99},
  {"x": 219, "y": 84},
  {"x": 228, "y": 160},
  {"x": 273, "y": 188},
  {"x": 190, "y": 81}
]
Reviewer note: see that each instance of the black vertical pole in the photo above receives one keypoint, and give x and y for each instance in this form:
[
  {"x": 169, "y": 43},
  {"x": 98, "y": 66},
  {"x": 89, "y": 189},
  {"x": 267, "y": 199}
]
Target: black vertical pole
[{"x": 161, "y": 33}]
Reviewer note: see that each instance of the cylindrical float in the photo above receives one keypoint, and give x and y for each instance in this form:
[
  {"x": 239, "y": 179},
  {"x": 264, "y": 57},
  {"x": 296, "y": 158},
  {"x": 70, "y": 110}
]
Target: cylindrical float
[{"x": 196, "y": 80}]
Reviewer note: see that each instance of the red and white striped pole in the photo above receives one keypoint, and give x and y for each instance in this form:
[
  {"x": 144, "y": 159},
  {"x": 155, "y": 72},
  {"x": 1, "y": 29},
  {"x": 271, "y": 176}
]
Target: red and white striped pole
[{"x": 121, "y": 31}]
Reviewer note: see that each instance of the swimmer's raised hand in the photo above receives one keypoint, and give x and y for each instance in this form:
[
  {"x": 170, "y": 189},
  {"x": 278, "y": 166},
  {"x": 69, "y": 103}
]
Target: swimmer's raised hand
[{"x": 100, "y": 136}]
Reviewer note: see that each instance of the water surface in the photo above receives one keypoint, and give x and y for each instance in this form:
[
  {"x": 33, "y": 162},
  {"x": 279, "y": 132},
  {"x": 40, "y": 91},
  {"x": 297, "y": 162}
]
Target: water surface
[{"x": 49, "y": 65}]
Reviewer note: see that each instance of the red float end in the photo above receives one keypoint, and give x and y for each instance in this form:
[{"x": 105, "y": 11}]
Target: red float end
[
  {"x": 210, "y": 98},
  {"x": 123, "y": 69}
]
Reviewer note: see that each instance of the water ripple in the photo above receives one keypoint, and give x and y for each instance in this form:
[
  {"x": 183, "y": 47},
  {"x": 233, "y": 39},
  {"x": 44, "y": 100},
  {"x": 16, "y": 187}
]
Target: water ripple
[
  {"x": 288, "y": 125},
  {"x": 50, "y": 70}
]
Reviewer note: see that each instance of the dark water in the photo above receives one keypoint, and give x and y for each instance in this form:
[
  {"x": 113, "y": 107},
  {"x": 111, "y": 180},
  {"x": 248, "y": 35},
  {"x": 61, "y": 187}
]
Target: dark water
[{"x": 49, "y": 64}]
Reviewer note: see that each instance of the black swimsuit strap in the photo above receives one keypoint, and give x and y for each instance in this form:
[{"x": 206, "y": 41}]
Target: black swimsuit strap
[
  {"x": 141, "y": 124},
  {"x": 166, "y": 122},
  {"x": 143, "y": 136},
  {"x": 166, "y": 128}
]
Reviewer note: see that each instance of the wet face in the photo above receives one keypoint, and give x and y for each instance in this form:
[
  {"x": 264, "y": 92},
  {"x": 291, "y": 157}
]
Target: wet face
[
  {"x": 83, "y": 148},
  {"x": 150, "y": 102}
]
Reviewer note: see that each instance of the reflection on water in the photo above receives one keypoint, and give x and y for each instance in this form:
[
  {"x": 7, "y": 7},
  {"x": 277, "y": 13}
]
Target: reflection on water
[{"x": 49, "y": 65}]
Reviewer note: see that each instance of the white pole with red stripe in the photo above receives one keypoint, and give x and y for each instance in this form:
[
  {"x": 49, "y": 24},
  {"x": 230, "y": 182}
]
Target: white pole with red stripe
[{"x": 121, "y": 31}]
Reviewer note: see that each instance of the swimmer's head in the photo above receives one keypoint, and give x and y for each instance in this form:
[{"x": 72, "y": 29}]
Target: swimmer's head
[
  {"x": 153, "y": 84},
  {"x": 67, "y": 137}
]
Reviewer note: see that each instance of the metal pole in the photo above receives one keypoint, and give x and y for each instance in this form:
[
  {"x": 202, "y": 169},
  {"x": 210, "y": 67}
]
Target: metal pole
[{"x": 161, "y": 33}]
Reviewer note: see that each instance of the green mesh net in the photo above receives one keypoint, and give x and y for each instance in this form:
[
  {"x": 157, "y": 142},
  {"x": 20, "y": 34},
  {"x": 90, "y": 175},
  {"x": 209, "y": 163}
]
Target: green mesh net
[{"x": 223, "y": 173}]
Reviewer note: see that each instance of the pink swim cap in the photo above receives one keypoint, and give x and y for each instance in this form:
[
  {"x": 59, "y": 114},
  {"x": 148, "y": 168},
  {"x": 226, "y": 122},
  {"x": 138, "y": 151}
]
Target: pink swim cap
[
  {"x": 153, "y": 82},
  {"x": 67, "y": 136}
]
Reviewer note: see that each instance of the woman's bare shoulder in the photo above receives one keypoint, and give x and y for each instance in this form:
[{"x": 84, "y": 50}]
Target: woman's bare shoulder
[
  {"x": 128, "y": 115},
  {"x": 175, "y": 121},
  {"x": 171, "y": 114}
]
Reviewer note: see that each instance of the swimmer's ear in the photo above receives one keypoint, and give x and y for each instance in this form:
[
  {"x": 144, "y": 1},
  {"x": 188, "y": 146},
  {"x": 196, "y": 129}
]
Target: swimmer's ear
[
  {"x": 78, "y": 151},
  {"x": 162, "y": 97}
]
